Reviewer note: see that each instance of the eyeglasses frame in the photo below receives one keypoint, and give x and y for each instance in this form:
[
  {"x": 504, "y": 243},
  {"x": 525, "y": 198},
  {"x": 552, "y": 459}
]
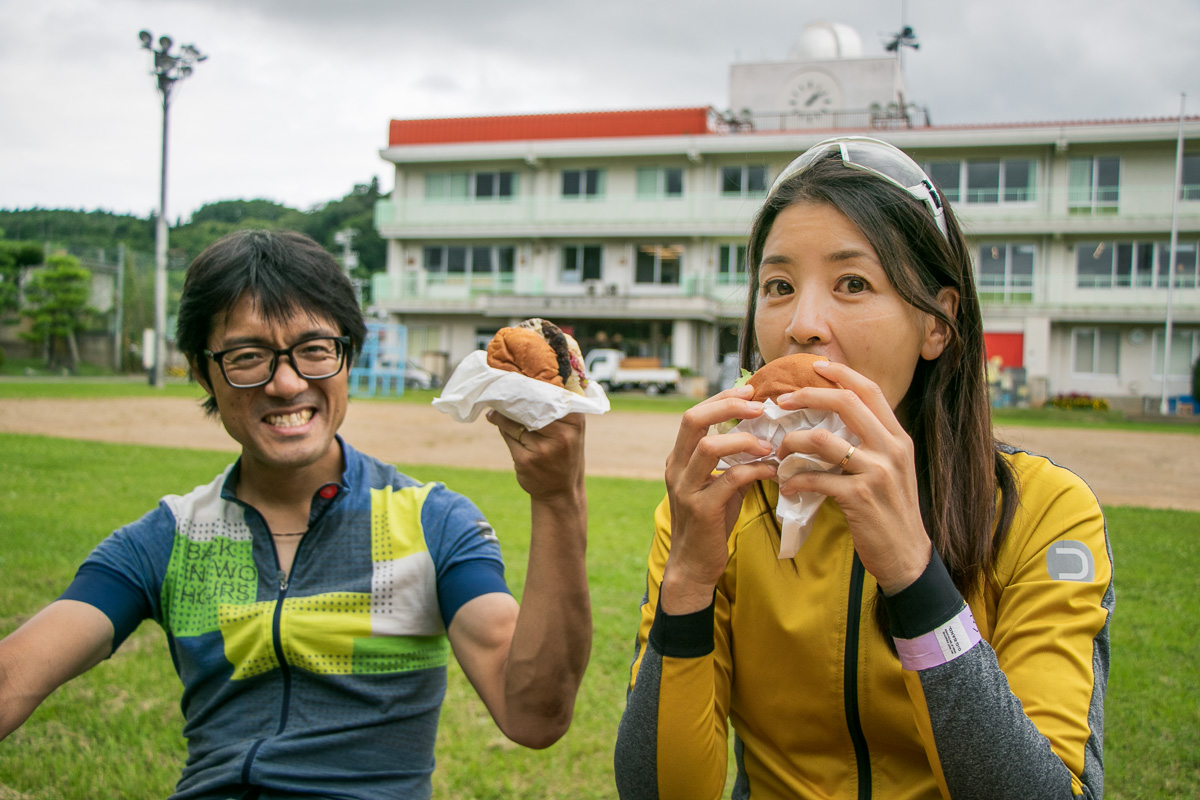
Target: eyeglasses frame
[{"x": 218, "y": 357}]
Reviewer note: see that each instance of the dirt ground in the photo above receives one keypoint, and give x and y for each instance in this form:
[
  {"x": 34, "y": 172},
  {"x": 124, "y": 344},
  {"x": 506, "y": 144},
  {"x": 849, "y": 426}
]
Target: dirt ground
[{"x": 1156, "y": 470}]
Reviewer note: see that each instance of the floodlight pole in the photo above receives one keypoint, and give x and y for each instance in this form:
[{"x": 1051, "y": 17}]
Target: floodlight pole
[{"x": 168, "y": 70}]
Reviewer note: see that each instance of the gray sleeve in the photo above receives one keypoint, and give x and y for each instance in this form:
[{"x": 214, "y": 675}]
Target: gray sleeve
[
  {"x": 635, "y": 761},
  {"x": 989, "y": 748}
]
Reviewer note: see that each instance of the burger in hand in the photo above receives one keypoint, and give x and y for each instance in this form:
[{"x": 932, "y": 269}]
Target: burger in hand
[
  {"x": 539, "y": 349},
  {"x": 783, "y": 375}
]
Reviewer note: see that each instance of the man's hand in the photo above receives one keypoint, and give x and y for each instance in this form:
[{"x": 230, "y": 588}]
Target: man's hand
[{"x": 527, "y": 662}]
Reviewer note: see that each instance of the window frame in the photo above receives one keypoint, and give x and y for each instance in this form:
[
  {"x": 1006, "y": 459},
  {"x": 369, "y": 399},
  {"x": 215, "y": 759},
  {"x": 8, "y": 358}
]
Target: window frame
[
  {"x": 1001, "y": 194},
  {"x": 658, "y": 250},
  {"x": 498, "y": 266},
  {"x": 596, "y": 175},
  {"x": 745, "y": 172},
  {"x": 1011, "y": 283},
  {"x": 731, "y": 264},
  {"x": 1190, "y": 191},
  {"x": 661, "y": 189},
  {"x": 1139, "y": 264},
  {"x": 1158, "y": 336},
  {"x": 579, "y": 272},
  {"x": 501, "y": 180},
  {"x": 1098, "y": 334},
  {"x": 1095, "y": 203}
]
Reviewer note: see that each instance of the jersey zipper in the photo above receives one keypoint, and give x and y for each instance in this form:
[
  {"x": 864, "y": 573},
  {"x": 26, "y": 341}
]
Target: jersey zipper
[
  {"x": 850, "y": 679},
  {"x": 281, "y": 580},
  {"x": 277, "y": 639}
]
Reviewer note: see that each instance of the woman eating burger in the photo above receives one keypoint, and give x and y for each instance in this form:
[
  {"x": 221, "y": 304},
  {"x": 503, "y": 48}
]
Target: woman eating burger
[{"x": 943, "y": 630}]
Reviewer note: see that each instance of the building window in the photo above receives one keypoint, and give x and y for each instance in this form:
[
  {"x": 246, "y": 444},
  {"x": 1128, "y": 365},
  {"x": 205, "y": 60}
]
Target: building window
[
  {"x": 1094, "y": 185},
  {"x": 583, "y": 183},
  {"x": 731, "y": 263},
  {"x": 470, "y": 185},
  {"x": 748, "y": 181},
  {"x": 1190, "y": 190},
  {"x": 581, "y": 263},
  {"x": 658, "y": 264},
  {"x": 656, "y": 182},
  {"x": 1094, "y": 351},
  {"x": 1006, "y": 269},
  {"x": 1185, "y": 349},
  {"x": 453, "y": 260},
  {"x": 1121, "y": 265},
  {"x": 1009, "y": 180},
  {"x": 1185, "y": 265}
]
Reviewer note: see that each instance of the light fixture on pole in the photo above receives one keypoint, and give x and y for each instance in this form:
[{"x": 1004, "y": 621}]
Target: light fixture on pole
[{"x": 169, "y": 70}]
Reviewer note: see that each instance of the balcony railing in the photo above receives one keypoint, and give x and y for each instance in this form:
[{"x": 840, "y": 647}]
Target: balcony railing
[
  {"x": 430, "y": 291},
  {"x": 1047, "y": 210}
]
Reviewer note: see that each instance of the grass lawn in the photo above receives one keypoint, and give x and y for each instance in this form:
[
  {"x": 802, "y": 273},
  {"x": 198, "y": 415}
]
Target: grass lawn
[{"x": 114, "y": 732}]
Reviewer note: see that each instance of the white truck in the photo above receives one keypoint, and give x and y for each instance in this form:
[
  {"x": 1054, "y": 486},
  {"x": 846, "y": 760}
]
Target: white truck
[{"x": 615, "y": 371}]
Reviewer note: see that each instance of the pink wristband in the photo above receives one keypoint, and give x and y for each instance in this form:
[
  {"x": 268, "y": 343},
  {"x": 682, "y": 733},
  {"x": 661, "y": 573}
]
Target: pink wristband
[{"x": 941, "y": 645}]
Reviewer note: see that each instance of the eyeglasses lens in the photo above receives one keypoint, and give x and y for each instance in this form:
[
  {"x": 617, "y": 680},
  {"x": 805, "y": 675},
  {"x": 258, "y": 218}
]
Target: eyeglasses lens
[{"x": 253, "y": 366}]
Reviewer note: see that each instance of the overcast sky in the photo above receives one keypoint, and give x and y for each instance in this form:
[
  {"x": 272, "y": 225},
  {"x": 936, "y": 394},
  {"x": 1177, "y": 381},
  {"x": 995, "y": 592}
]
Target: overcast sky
[{"x": 294, "y": 101}]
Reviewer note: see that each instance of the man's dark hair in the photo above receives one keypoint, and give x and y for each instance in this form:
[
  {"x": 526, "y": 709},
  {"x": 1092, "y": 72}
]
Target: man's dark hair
[{"x": 284, "y": 271}]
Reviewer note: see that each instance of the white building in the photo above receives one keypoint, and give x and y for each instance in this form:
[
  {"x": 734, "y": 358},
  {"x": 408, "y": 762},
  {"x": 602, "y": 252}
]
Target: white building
[{"x": 628, "y": 227}]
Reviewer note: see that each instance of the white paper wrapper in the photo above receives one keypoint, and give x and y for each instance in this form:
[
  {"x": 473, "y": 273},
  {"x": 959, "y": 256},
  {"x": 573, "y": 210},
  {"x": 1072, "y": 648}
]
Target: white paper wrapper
[
  {"x": 474, "y": 386},
  {"x": 795, "y": 514}
]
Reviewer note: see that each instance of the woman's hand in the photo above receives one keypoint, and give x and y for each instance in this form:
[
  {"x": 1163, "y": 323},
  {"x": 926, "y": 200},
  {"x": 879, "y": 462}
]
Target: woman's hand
[
  {"x": 877, "y": 487},
  {"x": 704, "y": 507}
]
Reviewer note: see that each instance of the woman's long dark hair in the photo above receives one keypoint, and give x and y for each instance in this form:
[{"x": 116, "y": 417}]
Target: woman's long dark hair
[{"x": 967, "y": 489}]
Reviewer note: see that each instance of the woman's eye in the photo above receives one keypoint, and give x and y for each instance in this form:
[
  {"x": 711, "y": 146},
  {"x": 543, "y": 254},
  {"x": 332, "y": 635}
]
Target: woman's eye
[
  {"x": 776, "y": 288},
  {"x": 854, "y": 284}
]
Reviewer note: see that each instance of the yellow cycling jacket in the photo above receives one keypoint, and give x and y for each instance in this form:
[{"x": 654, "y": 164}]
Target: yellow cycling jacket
[{"x": 790, "y": 654}]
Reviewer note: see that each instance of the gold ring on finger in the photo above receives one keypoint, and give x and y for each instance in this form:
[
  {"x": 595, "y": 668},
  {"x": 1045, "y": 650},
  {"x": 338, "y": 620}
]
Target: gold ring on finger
[{"x": 846, "y": 458}]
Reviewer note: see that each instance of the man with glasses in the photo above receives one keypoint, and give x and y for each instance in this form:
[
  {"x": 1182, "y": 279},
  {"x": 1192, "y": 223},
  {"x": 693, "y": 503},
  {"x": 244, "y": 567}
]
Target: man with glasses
[{"x": 311, "y": 594}]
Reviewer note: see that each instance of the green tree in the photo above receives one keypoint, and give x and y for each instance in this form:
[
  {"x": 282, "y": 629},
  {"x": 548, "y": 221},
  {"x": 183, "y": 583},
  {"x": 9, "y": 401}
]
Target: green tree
[
  {"x": 355, "y": 211},
  {"x": 14, "y": 258},
  {"x": 237, "y": 211},
  {"x": 63, "y": 228},
  {"x": 56, "y": 303}
]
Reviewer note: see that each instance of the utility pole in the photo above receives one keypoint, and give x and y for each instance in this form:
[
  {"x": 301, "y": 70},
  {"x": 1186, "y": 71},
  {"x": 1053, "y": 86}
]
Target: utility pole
[
  {"x": 119, "y": 317},
  {"x": 1164, "y": 406},
  {"x": 169, "y": 70}
]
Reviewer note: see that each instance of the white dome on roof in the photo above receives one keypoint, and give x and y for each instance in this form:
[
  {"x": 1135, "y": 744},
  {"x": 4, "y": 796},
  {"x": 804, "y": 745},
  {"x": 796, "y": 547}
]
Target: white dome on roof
[{"x": 825, "y": 41}]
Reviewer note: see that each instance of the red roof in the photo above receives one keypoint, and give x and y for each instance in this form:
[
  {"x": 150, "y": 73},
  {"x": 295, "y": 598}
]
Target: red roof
[{"x": 586, "y": 125}]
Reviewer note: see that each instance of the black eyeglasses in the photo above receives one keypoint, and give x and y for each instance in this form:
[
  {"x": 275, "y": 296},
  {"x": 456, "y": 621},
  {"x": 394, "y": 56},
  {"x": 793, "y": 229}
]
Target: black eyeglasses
[{"x": 248, "y": 366}]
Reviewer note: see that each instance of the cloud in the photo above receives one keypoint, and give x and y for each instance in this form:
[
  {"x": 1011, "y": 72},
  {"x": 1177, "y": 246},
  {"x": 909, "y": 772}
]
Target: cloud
[{"x": 294, "y": 102}]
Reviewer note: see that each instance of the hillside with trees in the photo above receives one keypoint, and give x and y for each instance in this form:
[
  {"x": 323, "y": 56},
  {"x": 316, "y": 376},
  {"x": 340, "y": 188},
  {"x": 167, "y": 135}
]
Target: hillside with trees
[
  {"x": 77, "y": 231},
  {"x": 118, "y": 249}
]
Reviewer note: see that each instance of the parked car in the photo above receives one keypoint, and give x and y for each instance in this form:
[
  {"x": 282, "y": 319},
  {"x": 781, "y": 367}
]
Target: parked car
[{"x": 417, "y": 377}]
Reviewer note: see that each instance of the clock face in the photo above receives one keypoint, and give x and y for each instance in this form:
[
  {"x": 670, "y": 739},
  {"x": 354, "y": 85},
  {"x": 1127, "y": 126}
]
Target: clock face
[{"x": 812, "y": 93}]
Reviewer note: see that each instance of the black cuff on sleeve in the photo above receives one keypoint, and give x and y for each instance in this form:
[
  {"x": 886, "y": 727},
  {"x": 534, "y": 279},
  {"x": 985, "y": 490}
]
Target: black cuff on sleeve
[
  {"x": 683, "y": 635},
  {"x": 114, "y": 594},
  {"x": 930, "y": 601}
]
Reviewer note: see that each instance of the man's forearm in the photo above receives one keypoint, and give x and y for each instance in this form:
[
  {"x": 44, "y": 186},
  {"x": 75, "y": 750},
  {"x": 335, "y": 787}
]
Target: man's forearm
[{"x": 553, "y": 636}]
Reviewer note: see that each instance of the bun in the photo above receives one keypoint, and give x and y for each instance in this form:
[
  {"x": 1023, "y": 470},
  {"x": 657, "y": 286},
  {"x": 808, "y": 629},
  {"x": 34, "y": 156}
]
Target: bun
[
  {"x": 524, "y": 351},
  {"x": 546, "y": 352},
  {"x": 787, "y": 374}
]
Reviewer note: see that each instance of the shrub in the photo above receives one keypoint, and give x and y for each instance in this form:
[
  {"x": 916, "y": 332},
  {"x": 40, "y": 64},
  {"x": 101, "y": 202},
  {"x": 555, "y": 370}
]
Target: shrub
[{"x": 1079, "y": 402}]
